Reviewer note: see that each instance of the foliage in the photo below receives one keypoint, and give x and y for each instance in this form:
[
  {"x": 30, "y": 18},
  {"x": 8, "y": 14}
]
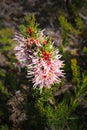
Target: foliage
[
  {"x": 78, "y": 3},
  {"x": 6, "y": 40},
  {"x": 68, "y": 28},
  {"x": 3, "y": 90},
  {"x": 80, "y": 91},
  {"x": 5, "y": 127},
  {"x": 79, "y": 24},
  {"x": 75, "y": 71}
]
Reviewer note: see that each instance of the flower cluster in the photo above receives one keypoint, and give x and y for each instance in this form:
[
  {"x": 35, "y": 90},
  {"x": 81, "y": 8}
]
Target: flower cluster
[{"x": 35, "y": 51}]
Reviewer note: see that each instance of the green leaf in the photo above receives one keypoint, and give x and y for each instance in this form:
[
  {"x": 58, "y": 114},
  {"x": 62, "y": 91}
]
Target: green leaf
[
  {"x": 23, "y": 29},
  {"x": 3, "y": 90}
]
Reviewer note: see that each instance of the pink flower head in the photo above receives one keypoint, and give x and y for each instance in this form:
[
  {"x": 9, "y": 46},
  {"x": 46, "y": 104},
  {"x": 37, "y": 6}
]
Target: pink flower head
[
  {"x": 40, "y": 58},
  {"x": 45, "y": 73}
]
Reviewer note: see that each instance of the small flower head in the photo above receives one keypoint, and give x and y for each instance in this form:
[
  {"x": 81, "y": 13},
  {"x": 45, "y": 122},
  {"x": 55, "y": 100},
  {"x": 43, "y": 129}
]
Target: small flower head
[
  {"x": 44, "y": 42},
  {"x": 30, "y": 41},
  {"x": 45, "y": 55},
  {"x": 23, "y": 50},
  {"x": 20, "y": 49},
  {"x": 29, "y": 30}
]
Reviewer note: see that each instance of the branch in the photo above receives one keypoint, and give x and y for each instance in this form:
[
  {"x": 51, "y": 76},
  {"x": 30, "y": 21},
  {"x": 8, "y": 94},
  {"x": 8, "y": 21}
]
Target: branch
[{"x": 82, "y": 16}]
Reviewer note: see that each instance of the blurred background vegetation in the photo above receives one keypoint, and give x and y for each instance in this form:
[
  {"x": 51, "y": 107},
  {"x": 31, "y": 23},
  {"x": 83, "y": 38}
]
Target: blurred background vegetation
[{"x": 64, "y": 107}]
